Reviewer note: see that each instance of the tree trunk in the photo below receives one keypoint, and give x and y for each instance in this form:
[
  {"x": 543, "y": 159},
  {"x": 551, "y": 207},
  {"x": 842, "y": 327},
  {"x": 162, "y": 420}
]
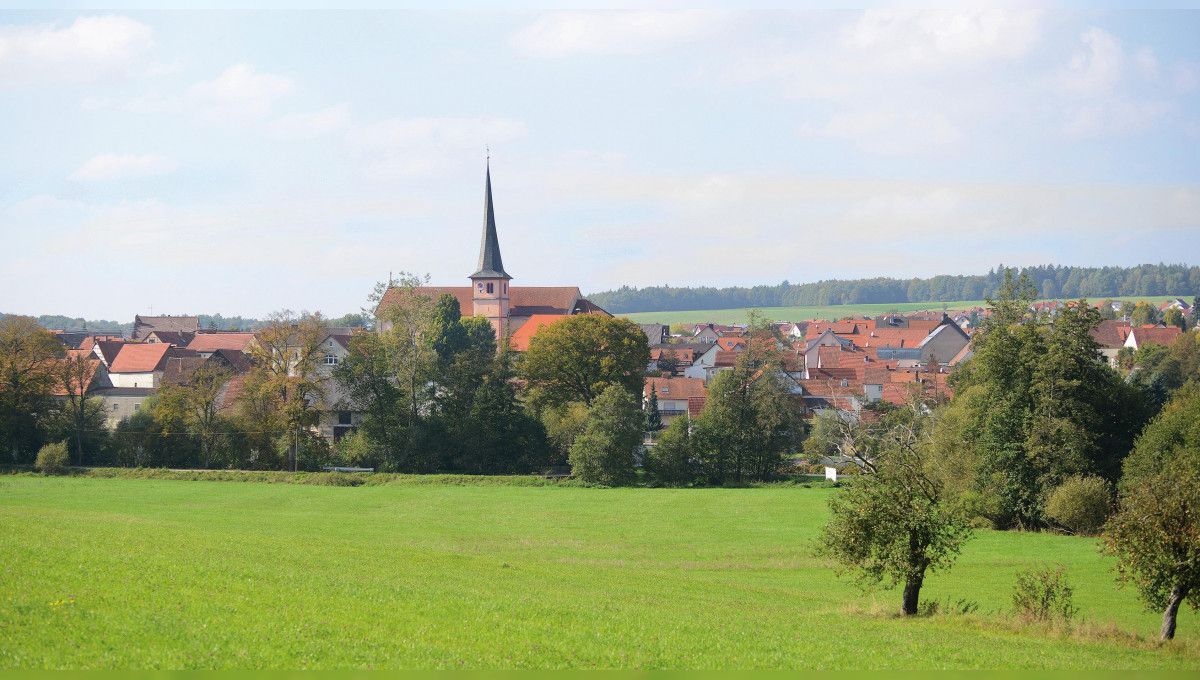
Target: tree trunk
[
  {"x": 1168, "y": 627},
  {"x": 79, "y": 444},
  {"x": 16, "y": 449},
  {"x": 912, "y": 594}
]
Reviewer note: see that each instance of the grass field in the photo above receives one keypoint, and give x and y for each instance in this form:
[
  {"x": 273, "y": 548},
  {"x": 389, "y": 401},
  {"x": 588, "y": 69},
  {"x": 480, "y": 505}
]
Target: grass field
[
  {"x": 128, "y": 573},
  {"x": 828, "y": 312}
]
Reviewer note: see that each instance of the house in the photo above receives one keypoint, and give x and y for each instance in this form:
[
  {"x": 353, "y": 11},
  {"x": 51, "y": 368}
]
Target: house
[
  {"x": 334, "y": 348},
  {"x": 706, "y": 334},
  {"x": 1139, "y": 337},
  {"x": 144, "y": 325},
  {"x": 136, "y": 365},
  {"x": 1177, "y": 303},
  {"x": 704, "y": 355},
  {"x": 682, "y": 356},
  {"x": 177, "y": 338},
  {"x": 943, "y": 343},
  {"x": 673, "y": 395},
  {"x": 1111, "y": 336},
  {"x": 490, "y": 294}
]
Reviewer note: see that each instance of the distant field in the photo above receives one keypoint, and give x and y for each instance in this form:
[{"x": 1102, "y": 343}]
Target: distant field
[
  {"x": 121, "y": 573},
  {"x": 827, "y": 312}
]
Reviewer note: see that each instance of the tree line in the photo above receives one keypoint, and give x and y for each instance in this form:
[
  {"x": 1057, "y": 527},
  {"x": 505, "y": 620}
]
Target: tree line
[{"x": 1051, "y": 282}]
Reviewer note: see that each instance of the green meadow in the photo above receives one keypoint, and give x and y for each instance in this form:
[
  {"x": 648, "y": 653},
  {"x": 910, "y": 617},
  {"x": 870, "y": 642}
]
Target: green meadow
[
  {"x": 826, "y": 312},
  {"x": 156, "y": 574}
]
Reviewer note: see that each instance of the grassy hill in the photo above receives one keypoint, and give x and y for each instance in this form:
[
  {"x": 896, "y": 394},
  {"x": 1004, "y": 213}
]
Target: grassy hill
[
  {"x": 120, "y": 573},
  {"x": 829, "y": 312}
]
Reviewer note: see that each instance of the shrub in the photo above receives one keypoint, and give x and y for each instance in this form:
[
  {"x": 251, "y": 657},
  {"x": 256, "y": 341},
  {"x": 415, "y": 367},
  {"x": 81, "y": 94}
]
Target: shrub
[
  {"x": 671, "y": 460},
  {"x": 1043, "y": 594},
  {"x": 1080, "y": 504},
  {"x": 53, "y": 459}
]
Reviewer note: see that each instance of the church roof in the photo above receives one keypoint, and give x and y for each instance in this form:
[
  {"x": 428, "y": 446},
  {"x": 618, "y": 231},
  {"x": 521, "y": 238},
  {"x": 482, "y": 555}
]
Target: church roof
[{"x": 490, "y": 264}]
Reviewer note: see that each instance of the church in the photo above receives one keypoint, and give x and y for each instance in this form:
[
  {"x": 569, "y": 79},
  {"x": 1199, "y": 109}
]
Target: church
[{"x": 515, "y": 312}]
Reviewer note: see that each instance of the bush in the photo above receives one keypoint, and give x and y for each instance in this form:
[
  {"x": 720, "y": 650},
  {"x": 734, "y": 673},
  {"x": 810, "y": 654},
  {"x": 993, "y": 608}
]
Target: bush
[
  {"x": 53, "y": 459},
  {"x": 1043, "y": 594},
  {"x": 1080, "y": 504},
  {"x": 671, "y": 460}
]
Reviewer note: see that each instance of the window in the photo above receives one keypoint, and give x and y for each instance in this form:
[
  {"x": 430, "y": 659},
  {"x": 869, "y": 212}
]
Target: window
[
  {"x": 491, "y": 288},
  {"x": 331, "y": 360},
  {"x": 114, "y": 407},
  {"x": 343, "y": 417},
  {"x": 136, "y": 406},
  {"x": 505, "y": 288}
]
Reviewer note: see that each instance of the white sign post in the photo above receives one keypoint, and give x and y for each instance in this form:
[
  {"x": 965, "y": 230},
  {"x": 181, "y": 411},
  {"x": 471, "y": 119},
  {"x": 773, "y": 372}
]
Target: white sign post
[{"x": 831, "y": 474}]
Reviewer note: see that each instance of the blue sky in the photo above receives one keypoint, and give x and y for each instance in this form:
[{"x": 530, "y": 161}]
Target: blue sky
[{"x": 243, "y": 162}]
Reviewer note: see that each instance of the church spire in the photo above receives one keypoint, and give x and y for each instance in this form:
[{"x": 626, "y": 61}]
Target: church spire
[{"x": 490, "y": 264}]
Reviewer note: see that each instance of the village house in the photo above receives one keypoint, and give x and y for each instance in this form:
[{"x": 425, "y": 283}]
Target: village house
[
  {"x": 673, "y": 395},
  {"x": 143, "y": 326}
]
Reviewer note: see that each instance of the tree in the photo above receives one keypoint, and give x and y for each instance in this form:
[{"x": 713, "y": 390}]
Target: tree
[
  {"x": 1038, "y": 405},
  {"x": 1155, "y": 536},
  {"x": 749, "y": 422},
  {"x": 1174, "y": 317},
  {"x": 27, "y": 360},
  {"x": 284, "y": 381},
  {"x": 408, "y": 321},
  {"x": 1144, "y": 313},
  {"x": 82, "y": 414},
  {"x": 604, "y": 453},
  {"x": 671, "y": 460},
  {"x": 653, "y": 417},
  {"x": 576, "y": 358},
  {"x": 1170, "y": 441},
  {"x": 668, "y": 361},
  {"x": 894, "y": 524},
  {"x": 196, "y": 405}
]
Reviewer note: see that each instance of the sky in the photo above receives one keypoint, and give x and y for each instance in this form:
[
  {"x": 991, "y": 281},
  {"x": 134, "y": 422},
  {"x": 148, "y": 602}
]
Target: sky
[{"x": 243, "y": 162}]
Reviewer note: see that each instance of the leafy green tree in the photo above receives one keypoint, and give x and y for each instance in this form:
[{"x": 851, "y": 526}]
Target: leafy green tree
[
  {"x": 653, "y": 416},
  {"x": 563, "y": 425},
  {"x": 671, "y": 460},
  {"x": 604, "y": 453},
  {"x": 895, "y": 524},
  {"x": 1170, "y": 441},
  {"x": 576, "y": 358},
  {"x": 1144, "y": 313},
  {"x": 81, "y": 416},
  {"x": 1038, "y": 405},
  {"x": 367, "y": 385},
  {"x": 1174, "y": 317},
  {"x": 1155, "y": 537},
  {"x": 196, "y": 404},
  {"x": 28, "y": 354},
  {"x": 284, "y": 380}
]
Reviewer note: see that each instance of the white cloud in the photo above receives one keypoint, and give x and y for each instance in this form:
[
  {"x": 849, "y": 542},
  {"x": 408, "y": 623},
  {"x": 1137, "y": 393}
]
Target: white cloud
[
  {"x": 423, "y": 147},
  {"x": 118, "y": 166},
  {"x": 239, "y": 93},
  {"x": 1097, "y": 67},
  {"x": 562, "y": 34},
  {"x": 903, "y": 40},
  {"x": 89, "y": 48},
  {"x": 310, "y": 125}
]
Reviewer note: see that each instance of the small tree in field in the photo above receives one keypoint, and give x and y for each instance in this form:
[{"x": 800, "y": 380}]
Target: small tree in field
[
  {"x": 894, "y": 524},
  {"x": 603, "y": 454},
  {"x": 1155, "y": 537}
]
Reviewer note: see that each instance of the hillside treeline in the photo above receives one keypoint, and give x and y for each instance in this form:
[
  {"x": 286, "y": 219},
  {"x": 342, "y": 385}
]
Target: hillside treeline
[{"x": 1052, "y": 281}]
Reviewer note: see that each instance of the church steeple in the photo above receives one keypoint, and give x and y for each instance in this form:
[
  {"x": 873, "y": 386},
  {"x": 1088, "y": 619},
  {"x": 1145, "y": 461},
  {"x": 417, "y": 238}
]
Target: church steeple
[
  {"x": 490, "y": 264},
  {"x": 490, "y": 284}
]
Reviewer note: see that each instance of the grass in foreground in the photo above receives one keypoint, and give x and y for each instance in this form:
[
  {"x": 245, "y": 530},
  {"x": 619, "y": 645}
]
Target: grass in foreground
[
  {"x": 826, "y": 312},
  {"x": 120, "y": 573}
]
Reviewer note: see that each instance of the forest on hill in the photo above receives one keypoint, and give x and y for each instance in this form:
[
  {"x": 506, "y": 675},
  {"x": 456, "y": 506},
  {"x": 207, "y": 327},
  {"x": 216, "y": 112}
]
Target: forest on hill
[{"x": 1053, "y": 281}]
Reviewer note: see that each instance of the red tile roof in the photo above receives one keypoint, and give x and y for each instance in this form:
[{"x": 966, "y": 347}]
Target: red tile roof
[
  {"x": 524, "y": 335},
  {"x": 139, "y": 358},
  {"x": 523, "y": 301},
  {"x": 210, "y": 342},
  {"x": 1161, "y": 336},
  {"x": 674, "y": 388}
]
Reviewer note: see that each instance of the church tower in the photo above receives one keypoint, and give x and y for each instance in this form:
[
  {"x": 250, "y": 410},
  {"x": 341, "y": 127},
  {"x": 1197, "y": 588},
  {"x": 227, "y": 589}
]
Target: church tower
[{"x": 489, "y": 284}]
